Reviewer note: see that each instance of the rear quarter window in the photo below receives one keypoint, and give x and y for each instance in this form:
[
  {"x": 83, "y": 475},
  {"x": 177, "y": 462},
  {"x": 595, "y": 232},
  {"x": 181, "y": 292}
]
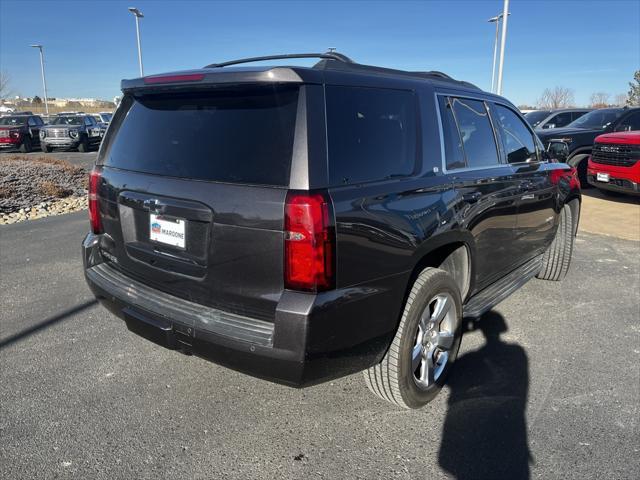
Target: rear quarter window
[
  {"x": 236, "y": 136},
  {"x": 371, "y": 134}
]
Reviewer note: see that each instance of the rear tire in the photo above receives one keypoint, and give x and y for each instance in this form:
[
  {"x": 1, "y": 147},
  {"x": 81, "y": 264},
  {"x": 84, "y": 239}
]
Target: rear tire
[
  {"x": 425, "y": 346},
  {"x": 557, "y": 258},
  {"x": 26, "y": 146}
]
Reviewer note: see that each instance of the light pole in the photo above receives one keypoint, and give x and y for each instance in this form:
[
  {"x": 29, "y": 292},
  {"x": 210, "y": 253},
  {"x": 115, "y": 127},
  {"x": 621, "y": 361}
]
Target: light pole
[
  {"x": 44, "y": 80},
  {"x": 503, "y": 41},
  {"x": 138, "y": 14},
  {"x": 495, "y": 20}
]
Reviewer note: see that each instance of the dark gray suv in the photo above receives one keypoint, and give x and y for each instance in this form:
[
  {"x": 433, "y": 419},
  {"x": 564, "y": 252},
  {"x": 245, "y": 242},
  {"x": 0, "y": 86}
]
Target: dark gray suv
[
  {"x": 301, "y": 224},
  {"x": 71, "y": 131}
]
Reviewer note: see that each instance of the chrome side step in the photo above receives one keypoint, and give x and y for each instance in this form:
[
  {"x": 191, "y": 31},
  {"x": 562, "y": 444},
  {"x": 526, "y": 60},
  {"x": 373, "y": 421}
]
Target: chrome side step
[{"x": 486, "y": 299}]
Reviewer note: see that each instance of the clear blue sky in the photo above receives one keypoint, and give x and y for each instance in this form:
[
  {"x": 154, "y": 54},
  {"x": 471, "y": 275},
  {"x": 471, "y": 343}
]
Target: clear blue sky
[{"x": 90, "y": 45}]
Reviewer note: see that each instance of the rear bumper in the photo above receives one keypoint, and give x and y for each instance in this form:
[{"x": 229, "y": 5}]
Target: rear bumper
[{"x": 313, "y": 338}]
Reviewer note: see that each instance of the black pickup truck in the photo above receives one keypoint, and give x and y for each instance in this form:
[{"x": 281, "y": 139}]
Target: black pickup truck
[{"x": 304, "y": 223}]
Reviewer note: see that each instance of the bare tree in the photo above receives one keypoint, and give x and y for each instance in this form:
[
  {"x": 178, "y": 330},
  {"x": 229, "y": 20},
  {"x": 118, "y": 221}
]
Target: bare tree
[
  {"x": 620, "y": 100},
  {"x": 599, "y": 100},
  {"x": 633, "y": 97},
  {"x": 557, "y": 97},
  {"x": 4, "y": 85}
]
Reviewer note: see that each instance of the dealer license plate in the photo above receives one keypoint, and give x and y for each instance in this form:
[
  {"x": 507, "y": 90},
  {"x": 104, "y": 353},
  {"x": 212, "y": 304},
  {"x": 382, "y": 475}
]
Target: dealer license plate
[
  {"x": 602, "y": 177},
  {"x": 170, "y": 231}
]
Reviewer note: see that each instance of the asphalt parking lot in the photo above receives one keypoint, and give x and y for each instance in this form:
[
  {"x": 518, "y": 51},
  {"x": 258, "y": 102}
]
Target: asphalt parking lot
[{"x": 547, "y": 385}]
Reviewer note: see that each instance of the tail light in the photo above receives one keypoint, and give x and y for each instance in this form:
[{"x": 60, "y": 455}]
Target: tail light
[
  {"x": 94, "y": 208},
  {"x": 310, "y": 244}
]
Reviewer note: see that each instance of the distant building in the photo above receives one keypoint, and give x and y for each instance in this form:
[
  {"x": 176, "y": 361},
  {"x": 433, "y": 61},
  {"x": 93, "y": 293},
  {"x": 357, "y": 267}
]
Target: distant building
[{"x": 85, "y": 102}]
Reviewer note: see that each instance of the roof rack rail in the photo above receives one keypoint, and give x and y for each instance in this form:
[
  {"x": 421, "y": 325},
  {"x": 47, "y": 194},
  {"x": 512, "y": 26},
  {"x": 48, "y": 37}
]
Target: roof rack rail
[
  {"x": 436, "y": 73},
  {"x": 327, "y": 55},
  {"x": 338, "y": 61}
]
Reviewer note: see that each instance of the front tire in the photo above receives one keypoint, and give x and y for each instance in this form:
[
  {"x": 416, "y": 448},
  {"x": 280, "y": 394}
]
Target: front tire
[
  {"x": 47, "y": 149},
  {"x": 425, "y": 346},
  {"x": 557, "y": 258}
]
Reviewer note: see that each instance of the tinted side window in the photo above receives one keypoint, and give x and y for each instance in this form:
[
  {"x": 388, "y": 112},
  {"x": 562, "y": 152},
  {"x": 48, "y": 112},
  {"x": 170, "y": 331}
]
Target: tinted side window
[
  {"x": 371, "y": 134},
  {"x": 632, "y": 122},
  {"x": 32, "y": 122},
  {"x": 518, "y": 140},
  {"x": 452, "y": 142},
  {"x": 577, "y": 115},
  {"x": 476, "y": 132},
  {"x": 561, "y": 119}
]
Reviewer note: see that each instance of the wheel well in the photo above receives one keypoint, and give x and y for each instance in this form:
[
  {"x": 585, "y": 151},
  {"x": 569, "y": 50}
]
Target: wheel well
[
  {"x": 580, "y": 155},
  {"x": 454, "y": 259}
]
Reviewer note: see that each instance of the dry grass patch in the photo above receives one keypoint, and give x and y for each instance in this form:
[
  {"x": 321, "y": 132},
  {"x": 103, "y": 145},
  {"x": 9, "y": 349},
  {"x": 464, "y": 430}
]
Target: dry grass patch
[
  {"x": 51, "y": 189},
  {"x": 6, "y": 191},
  {"x": 64, "y": 164}
]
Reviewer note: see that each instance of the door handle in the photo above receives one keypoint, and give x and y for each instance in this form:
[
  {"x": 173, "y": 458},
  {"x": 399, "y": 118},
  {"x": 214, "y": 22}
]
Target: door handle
[{"x": 471, "y": 197}]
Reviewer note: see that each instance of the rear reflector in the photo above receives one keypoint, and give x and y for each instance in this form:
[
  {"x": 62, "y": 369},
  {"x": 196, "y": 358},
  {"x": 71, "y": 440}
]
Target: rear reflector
[
  {"x": 309, "y": 246},
  {"x": 94, "y": 207},
  {"x": 194, "y": 77}
]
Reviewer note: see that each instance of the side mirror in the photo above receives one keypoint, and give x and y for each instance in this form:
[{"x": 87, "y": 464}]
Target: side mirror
[
  {"x": 558, "y": 150},
  {"x": 549, "y": 125}
]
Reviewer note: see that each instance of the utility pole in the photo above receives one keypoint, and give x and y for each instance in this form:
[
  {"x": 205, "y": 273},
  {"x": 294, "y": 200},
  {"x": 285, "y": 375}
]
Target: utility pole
[
  {"x": 495, "y": 20},
  {"x": 503, "y": 41},
  {"x": 138, "y": 14},
  {"x": 44, "y": 80}
]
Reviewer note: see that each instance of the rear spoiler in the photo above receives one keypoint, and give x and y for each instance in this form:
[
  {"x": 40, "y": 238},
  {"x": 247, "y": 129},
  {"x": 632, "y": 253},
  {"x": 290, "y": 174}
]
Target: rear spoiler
[{"x": 210, "y": 77}]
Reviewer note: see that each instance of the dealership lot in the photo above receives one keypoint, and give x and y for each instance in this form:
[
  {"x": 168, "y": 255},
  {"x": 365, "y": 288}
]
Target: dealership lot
[{"x": 84, "y": 398}]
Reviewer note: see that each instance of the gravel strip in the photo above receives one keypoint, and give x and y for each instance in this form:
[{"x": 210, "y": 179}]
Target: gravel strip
[
  {"x": 46, "y": 209},
  {"x": 37, "y": 187}
]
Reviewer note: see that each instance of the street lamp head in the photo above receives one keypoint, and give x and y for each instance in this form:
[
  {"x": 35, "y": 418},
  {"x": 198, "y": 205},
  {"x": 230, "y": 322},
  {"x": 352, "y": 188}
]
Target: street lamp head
[
  {"x": 497, "y": 18},
  {"x": 136, "y": 12},
  {"x": 36, "y": 46}
]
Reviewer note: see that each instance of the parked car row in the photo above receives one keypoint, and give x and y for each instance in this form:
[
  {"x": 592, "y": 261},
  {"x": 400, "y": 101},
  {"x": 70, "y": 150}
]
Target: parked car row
[
  {"x": 547, "y": 119},
  {"x": 25, "y": 131},
  {"x": 574, "y": 143}
]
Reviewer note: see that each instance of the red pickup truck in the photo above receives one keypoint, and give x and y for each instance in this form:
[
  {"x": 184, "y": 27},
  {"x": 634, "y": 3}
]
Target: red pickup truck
[{"x": 615, "y": 163}]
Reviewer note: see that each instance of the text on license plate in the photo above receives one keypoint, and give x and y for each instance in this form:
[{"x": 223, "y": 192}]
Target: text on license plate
[
  {"x": 602, "y": 177},
  {"x": 167, "y": 231}
]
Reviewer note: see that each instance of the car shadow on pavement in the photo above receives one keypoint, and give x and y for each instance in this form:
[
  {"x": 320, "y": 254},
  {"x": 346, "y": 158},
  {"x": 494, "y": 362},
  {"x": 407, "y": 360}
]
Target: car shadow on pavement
[
  {"x": 64, "y": 315},
  {"x": 611, "y": 196},
  {"x": 485, "y": 431}
]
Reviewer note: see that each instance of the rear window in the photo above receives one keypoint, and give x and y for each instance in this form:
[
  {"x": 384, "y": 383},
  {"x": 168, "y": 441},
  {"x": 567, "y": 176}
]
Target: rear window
[
  {"x": 235, "y": 136},
  {"x": 371, "y": 134}
]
